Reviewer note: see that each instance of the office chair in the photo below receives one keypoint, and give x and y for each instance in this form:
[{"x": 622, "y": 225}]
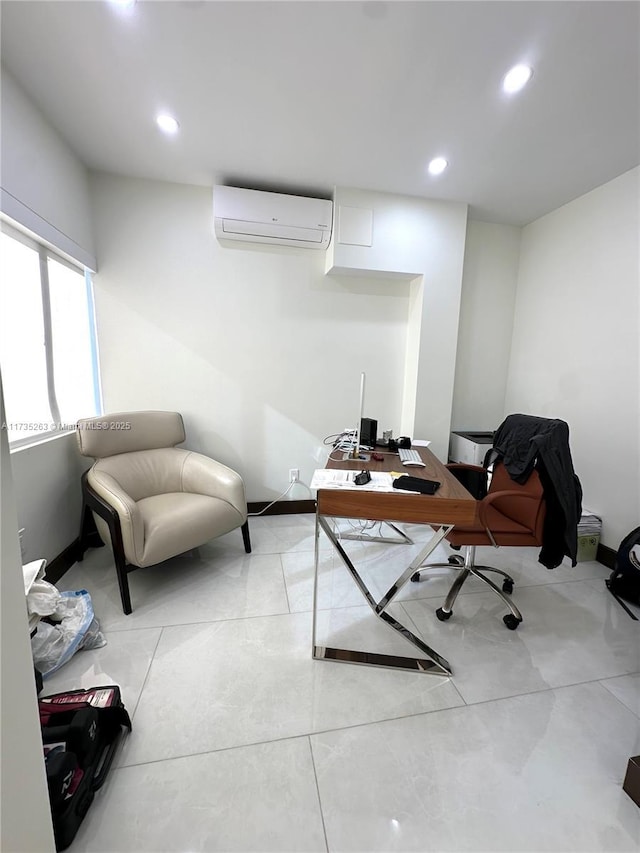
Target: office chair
[
  {"x": 150, "y": 499},
  {"x": 508, "y": 514}
]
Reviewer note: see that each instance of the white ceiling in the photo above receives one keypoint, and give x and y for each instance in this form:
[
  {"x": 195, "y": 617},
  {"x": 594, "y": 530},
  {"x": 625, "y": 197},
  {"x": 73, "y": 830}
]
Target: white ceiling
[{"x": 302, "y": 96}]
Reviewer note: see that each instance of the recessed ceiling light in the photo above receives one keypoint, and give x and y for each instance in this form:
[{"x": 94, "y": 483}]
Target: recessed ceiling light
[
  {"x": 516, "y": 79},
  {"x": 437, "y": 166},
  {"x": 167, "y": 123},
  {"x": 123, "y": 4}
]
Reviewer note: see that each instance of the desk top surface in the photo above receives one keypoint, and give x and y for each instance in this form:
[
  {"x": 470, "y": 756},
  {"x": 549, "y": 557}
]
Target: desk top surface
[{"x": 451, "y": 504}]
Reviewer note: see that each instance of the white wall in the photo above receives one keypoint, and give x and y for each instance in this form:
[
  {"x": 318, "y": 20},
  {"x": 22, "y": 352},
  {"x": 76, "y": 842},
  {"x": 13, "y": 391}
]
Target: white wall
[
  {"x": 574, "y": 353},
  {"x": 486, "y": 322},
  {"x": 44, "y": 185},
  {"x": 24, "y": 803},
  {"x": 259, "y": 350},
  {"x": 422, "y": 240},
  {"x": 48, "y": 497}
]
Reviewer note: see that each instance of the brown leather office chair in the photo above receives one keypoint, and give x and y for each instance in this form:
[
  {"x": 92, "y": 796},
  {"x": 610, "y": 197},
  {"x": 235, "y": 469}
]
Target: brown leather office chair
[
  {"x": 509, "y": 515},
  {"x": 150, "y": 499}
]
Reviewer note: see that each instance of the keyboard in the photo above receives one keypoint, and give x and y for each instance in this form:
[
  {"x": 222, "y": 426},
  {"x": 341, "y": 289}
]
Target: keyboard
[{"x": 410, "y": 457}]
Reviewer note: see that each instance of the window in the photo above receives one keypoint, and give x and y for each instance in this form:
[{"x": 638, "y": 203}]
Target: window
[{"x": 48, "y": 356}]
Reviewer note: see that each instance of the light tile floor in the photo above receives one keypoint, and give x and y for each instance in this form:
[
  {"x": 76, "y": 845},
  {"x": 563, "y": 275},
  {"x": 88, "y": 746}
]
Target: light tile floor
[{"x": 242, "y": 742}]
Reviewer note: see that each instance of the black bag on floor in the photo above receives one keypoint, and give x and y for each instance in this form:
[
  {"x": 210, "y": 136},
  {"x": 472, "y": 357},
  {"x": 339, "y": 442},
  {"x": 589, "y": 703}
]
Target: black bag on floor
[
  {"x": 81, "y": 730},
  {"x": 624, "y": 581}
]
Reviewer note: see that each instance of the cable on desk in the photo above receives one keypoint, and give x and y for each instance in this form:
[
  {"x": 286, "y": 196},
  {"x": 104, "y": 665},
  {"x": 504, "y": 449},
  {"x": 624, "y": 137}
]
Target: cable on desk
[{"x": 343, "y": 441}]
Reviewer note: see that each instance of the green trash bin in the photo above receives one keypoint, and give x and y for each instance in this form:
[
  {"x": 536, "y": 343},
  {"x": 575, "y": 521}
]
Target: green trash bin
[
  {"x": 587, "y": 548},
  {"x": 589, "y": 529}
]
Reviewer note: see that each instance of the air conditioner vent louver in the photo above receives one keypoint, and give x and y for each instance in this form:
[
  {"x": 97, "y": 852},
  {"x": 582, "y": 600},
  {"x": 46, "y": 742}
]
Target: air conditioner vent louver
[{"x": 263, "y": 217}]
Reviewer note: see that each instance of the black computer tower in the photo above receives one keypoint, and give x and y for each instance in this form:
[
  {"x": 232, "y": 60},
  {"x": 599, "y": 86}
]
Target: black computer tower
[{"x": 368, "y": 432}]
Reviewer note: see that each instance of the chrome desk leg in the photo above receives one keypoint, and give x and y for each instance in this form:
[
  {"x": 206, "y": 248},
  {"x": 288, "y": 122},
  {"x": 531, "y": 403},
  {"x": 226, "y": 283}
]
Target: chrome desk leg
[
  {"x": 434, "y": 663},
  {"x": 316, "y": 559},
  {"x": 432, "y": 544}
]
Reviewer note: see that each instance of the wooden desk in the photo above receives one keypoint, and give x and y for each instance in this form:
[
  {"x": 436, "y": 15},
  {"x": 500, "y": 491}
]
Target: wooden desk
[{"x": 452, "y": 504}]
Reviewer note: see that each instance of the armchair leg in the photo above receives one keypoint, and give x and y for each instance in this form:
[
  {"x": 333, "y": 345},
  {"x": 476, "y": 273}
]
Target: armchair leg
[
  {"x": 84, "y": 532},
  {"x": 245, "y": 537},
  {"x": 93, "y": 502},
  {"x": 123, "y": 583},
  {"x": 89, "y": 536}
]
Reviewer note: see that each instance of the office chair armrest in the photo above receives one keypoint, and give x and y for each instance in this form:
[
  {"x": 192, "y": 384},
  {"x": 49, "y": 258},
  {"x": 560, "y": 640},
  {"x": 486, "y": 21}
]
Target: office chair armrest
[
  {"x": 515, "y": 499},
  {"x": 112, "y": 493},
  {"x": 204, "y": 476},
  {"x": 465, "y": 466}
]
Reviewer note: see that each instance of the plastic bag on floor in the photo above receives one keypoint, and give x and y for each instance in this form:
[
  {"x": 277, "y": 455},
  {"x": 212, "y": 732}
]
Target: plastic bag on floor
[
  {"x": 33, "y": 571},
  {"x": 76, "y": 628},
  {"x": 43, "y": 598}
]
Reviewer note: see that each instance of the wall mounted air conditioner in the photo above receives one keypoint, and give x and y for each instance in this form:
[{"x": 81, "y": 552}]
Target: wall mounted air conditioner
[{"x": 264, "y": 217}]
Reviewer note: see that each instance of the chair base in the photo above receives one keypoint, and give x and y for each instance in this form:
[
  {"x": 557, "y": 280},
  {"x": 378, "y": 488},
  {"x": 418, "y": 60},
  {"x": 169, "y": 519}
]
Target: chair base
[{"x": 466, "y": 566}]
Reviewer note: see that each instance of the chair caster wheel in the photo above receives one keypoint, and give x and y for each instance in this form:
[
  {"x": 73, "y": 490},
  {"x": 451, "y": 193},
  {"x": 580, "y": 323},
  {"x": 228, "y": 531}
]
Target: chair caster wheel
[
  {"x": 415, "y": 578},
  {"x": 443, "y": 615},
  {"x": 511, "y": 621},
  {"x": 507, "y": 586},
  {"x": 456, "y": 560}
]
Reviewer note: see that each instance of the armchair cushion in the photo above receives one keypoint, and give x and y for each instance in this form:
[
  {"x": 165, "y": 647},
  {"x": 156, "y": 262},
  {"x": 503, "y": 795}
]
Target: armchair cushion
[
  {"x": 179, "y": 521},
  {"x": 169, "y": 500}
]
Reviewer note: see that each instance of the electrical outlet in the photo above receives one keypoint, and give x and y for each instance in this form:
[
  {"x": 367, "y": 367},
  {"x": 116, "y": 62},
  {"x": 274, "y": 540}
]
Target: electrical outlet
[{"x": 294, "y": 475}]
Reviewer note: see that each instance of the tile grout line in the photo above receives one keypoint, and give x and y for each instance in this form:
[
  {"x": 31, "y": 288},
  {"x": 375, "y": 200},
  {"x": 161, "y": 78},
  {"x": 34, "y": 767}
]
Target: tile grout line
[
  {"x": 519, "y": 585},
  {"x": 417, "y": 629},
  {"x": 284, "y": 583},
  {"x": 310, "y": 734},
  {"x": 290, "y": 612},
  {"x": 615, "y": 696},
  {"x": 205, "y": 622},
  {"x": 551, "y": 688},
  {"x": 315, "y": 776},
  {"x": 147, "y": 674}
]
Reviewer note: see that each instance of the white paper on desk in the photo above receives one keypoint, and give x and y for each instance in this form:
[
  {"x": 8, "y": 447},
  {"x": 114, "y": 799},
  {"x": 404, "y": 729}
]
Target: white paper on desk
[
  {"x": 420, "y": 442},
  {"x": 339, "y": 478}
]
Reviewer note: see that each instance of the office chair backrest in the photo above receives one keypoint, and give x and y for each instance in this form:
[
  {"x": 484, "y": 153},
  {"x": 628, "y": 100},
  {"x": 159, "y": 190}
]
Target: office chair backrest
[
  {"x": 530, "y": 513},
  {"x": 127, "y": 432}
]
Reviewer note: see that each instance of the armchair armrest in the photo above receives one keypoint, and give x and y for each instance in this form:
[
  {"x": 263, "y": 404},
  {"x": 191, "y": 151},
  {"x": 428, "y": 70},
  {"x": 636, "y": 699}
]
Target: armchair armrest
[
  {"x": 204, "y": 476},
  {"x": 111, "y": 493}
]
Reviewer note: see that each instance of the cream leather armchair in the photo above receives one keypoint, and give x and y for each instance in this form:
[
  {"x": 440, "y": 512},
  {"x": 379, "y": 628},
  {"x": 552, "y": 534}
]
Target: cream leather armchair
[{"x": 150, "y": 499}]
